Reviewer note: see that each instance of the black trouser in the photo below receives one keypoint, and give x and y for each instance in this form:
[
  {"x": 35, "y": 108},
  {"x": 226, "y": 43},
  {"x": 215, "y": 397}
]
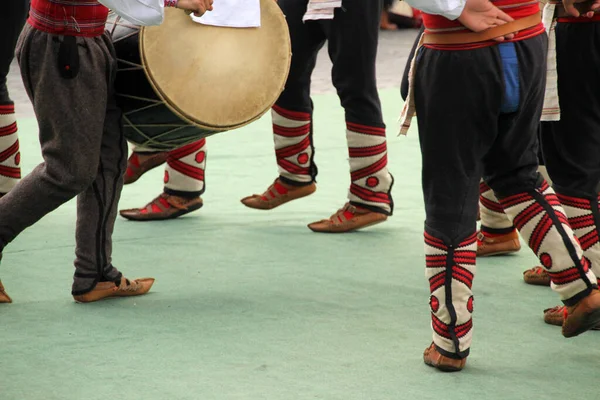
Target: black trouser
[
  {"x": 571, "y": 146},
  {"x": 352, "y": 38},
  {"x": 464, "y": 135},
  {"x": 12, "y": 18}
]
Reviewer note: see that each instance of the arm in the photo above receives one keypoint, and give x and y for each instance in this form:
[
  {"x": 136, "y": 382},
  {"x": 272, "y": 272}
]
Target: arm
[
  {"x": 450, "y": 9},
  {"x": 140, "y": 12},
  {"x": 151, "y": 12}
]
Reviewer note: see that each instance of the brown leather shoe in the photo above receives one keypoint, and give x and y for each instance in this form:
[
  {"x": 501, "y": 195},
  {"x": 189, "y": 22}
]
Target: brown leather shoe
[
  {"x": 536, "y": 276},
  {"x": 4, "y": 297},
  {"x": 503, "y": 244},
  {"x": 140, "y": 163},
  {"x": 165, "y": 206},
  {"x": 583, "y": 316},
  {"x": 556, "y": 316},
  {"x": 433, "y": 358},
  {"x": 349, "y": 218},
  {"x": 126, "y": 288},
  {"x": 277, "y": 194}
]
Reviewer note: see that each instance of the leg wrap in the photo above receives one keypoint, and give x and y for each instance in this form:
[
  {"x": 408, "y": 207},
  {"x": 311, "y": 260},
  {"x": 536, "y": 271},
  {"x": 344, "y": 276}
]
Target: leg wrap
[
  {"x": 493, "y": 219},
  {"x": 371, "y": 181},
  {"x": 292, "y": 133},
  {"x": 450, "y": 270},
  {"x": 541, "y": 220},
  {"x": 184, "y": 173},
  {"x": 10, "y": 157},
  {"x": 584, "y": 219}
]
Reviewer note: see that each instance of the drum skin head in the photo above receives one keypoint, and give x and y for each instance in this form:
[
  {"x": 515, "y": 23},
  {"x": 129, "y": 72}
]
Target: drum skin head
[{"x": 217, "y": 77}]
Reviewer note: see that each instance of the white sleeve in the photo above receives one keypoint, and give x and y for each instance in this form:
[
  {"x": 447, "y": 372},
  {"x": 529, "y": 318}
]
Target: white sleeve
[
  {"x": 450, "y": 9},
  {"x": 139, "y": 12}
]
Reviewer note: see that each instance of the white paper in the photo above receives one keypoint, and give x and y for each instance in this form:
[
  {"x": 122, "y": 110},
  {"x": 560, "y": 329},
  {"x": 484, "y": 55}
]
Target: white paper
[{"x": 232, "y": 14}]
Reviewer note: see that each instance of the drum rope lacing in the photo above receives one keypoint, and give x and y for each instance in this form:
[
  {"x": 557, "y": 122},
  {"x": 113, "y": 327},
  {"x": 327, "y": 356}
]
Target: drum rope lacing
[{"x": 149, "y": 141}]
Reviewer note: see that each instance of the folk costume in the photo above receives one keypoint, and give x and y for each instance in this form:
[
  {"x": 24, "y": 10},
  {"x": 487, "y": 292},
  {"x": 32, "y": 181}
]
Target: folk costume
[
  {"x": 351, "y": 30},
  {"x": 68, "y": 68},
  {"x": 184, "y": 181},
  {"x": 478, "y": 114},
  {"x": 11, "y": 22}
]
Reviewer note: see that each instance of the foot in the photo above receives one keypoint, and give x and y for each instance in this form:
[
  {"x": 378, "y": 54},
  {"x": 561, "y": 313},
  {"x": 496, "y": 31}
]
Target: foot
[
  {"x": 104, "y": 290},
  {"x": 277, "y": 194},
  {"x": 140, "y": 163},
  {"x": 582, "y": 316},
  {"x": 488, "y": 245},
  {"x": 556, "y": 316},
  {"x": 163, "y": 207},
  {"x": 349, "y": 218},
  {"x": 4, "y": 297},
  {"x": 433, "y": 358},
  {"x": 536, "y": 276}
]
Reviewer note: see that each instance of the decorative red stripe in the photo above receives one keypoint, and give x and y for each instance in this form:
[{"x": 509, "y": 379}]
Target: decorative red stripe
[
  {"x": 584, "y": 221},
  {"x": 435, "y": 261},
  {"x": 291, "y": 132},
  {"x": 439, "y": 327},
  {"x": 294, "y": 149},
  {"x": 186, "y": 169},
  {"x": 540, "y": 232},
  {"x": 483, "y": 187},
  {"x": 364, "y": 129},
  {"x": 367, "y": 151},
  {"x": 464, "y": 329},
  {"x": 10, "y": 172},
  {"x": 436, "y": 281},
  {"x": 433, "y": 241},
  {"x": 13, "y": 149},
  {"x": 574, "y": 202},
  {"x": 6, "y": 109},
  {"x": 370, "y": 170},
  {"x": 527, "y": 215},
  {"x": 8, "y": 130},
  {"x": 369, "y": 195},
  {"x": 187, "y": 149},
  {"x": 491, "y": 205},
  {"x": 544, "y": 186},
  {"x": 292, "y": 168},
  {"x": 515, "y": 199},
  {"x": 465, "y": 257},
  {"x": 589, "y": 239},
  {"x": 564, "y": 274},
  {"x": 469, "y": 240},
  {"x": 293, "y": 115}
]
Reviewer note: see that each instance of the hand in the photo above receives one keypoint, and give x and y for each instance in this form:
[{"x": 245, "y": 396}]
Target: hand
[
  {"x": 198, "y": 7},
  {"x": 479, "y": 15},
  {"x": 576, "y": 9}
]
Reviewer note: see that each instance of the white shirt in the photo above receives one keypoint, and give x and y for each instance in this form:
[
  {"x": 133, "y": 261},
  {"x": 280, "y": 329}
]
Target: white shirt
[
  {"x": 450, "y": 9},
  {"x": 139, "y": 12}
]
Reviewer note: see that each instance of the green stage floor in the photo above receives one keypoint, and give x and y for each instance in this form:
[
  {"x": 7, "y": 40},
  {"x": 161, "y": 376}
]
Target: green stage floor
[{"x": 252, "y": 305}]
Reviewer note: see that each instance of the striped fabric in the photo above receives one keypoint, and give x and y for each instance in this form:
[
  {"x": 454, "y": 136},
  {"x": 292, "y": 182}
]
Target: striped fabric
[
  {"x": 321, "y": 9},
  {"x": 68, "y": 17},
  {"x": 542, "y": 223},
  {"x": 185, "y": 168},
  {"x": 450, "y": 271}
]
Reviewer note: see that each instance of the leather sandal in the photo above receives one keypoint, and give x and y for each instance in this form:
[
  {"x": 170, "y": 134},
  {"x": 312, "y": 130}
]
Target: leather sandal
[
  {"x": 163, "y": 207},
  {"x": 277, "y": 194}
]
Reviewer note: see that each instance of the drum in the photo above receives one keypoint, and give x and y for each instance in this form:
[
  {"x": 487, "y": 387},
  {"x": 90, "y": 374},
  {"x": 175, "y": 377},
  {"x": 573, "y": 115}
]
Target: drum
[{"x": 182, "y": 81}]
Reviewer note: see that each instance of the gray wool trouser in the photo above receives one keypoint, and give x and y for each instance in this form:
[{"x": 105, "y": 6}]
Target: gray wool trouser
[{"x": 83, "y": 147}]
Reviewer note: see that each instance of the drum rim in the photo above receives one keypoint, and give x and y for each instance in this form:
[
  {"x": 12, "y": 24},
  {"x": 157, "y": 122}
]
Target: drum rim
[{"x": 279, "y": 14}]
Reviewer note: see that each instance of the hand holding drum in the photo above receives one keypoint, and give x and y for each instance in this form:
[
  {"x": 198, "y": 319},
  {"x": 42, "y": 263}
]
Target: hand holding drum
[{"x": 198, "y": 7}]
